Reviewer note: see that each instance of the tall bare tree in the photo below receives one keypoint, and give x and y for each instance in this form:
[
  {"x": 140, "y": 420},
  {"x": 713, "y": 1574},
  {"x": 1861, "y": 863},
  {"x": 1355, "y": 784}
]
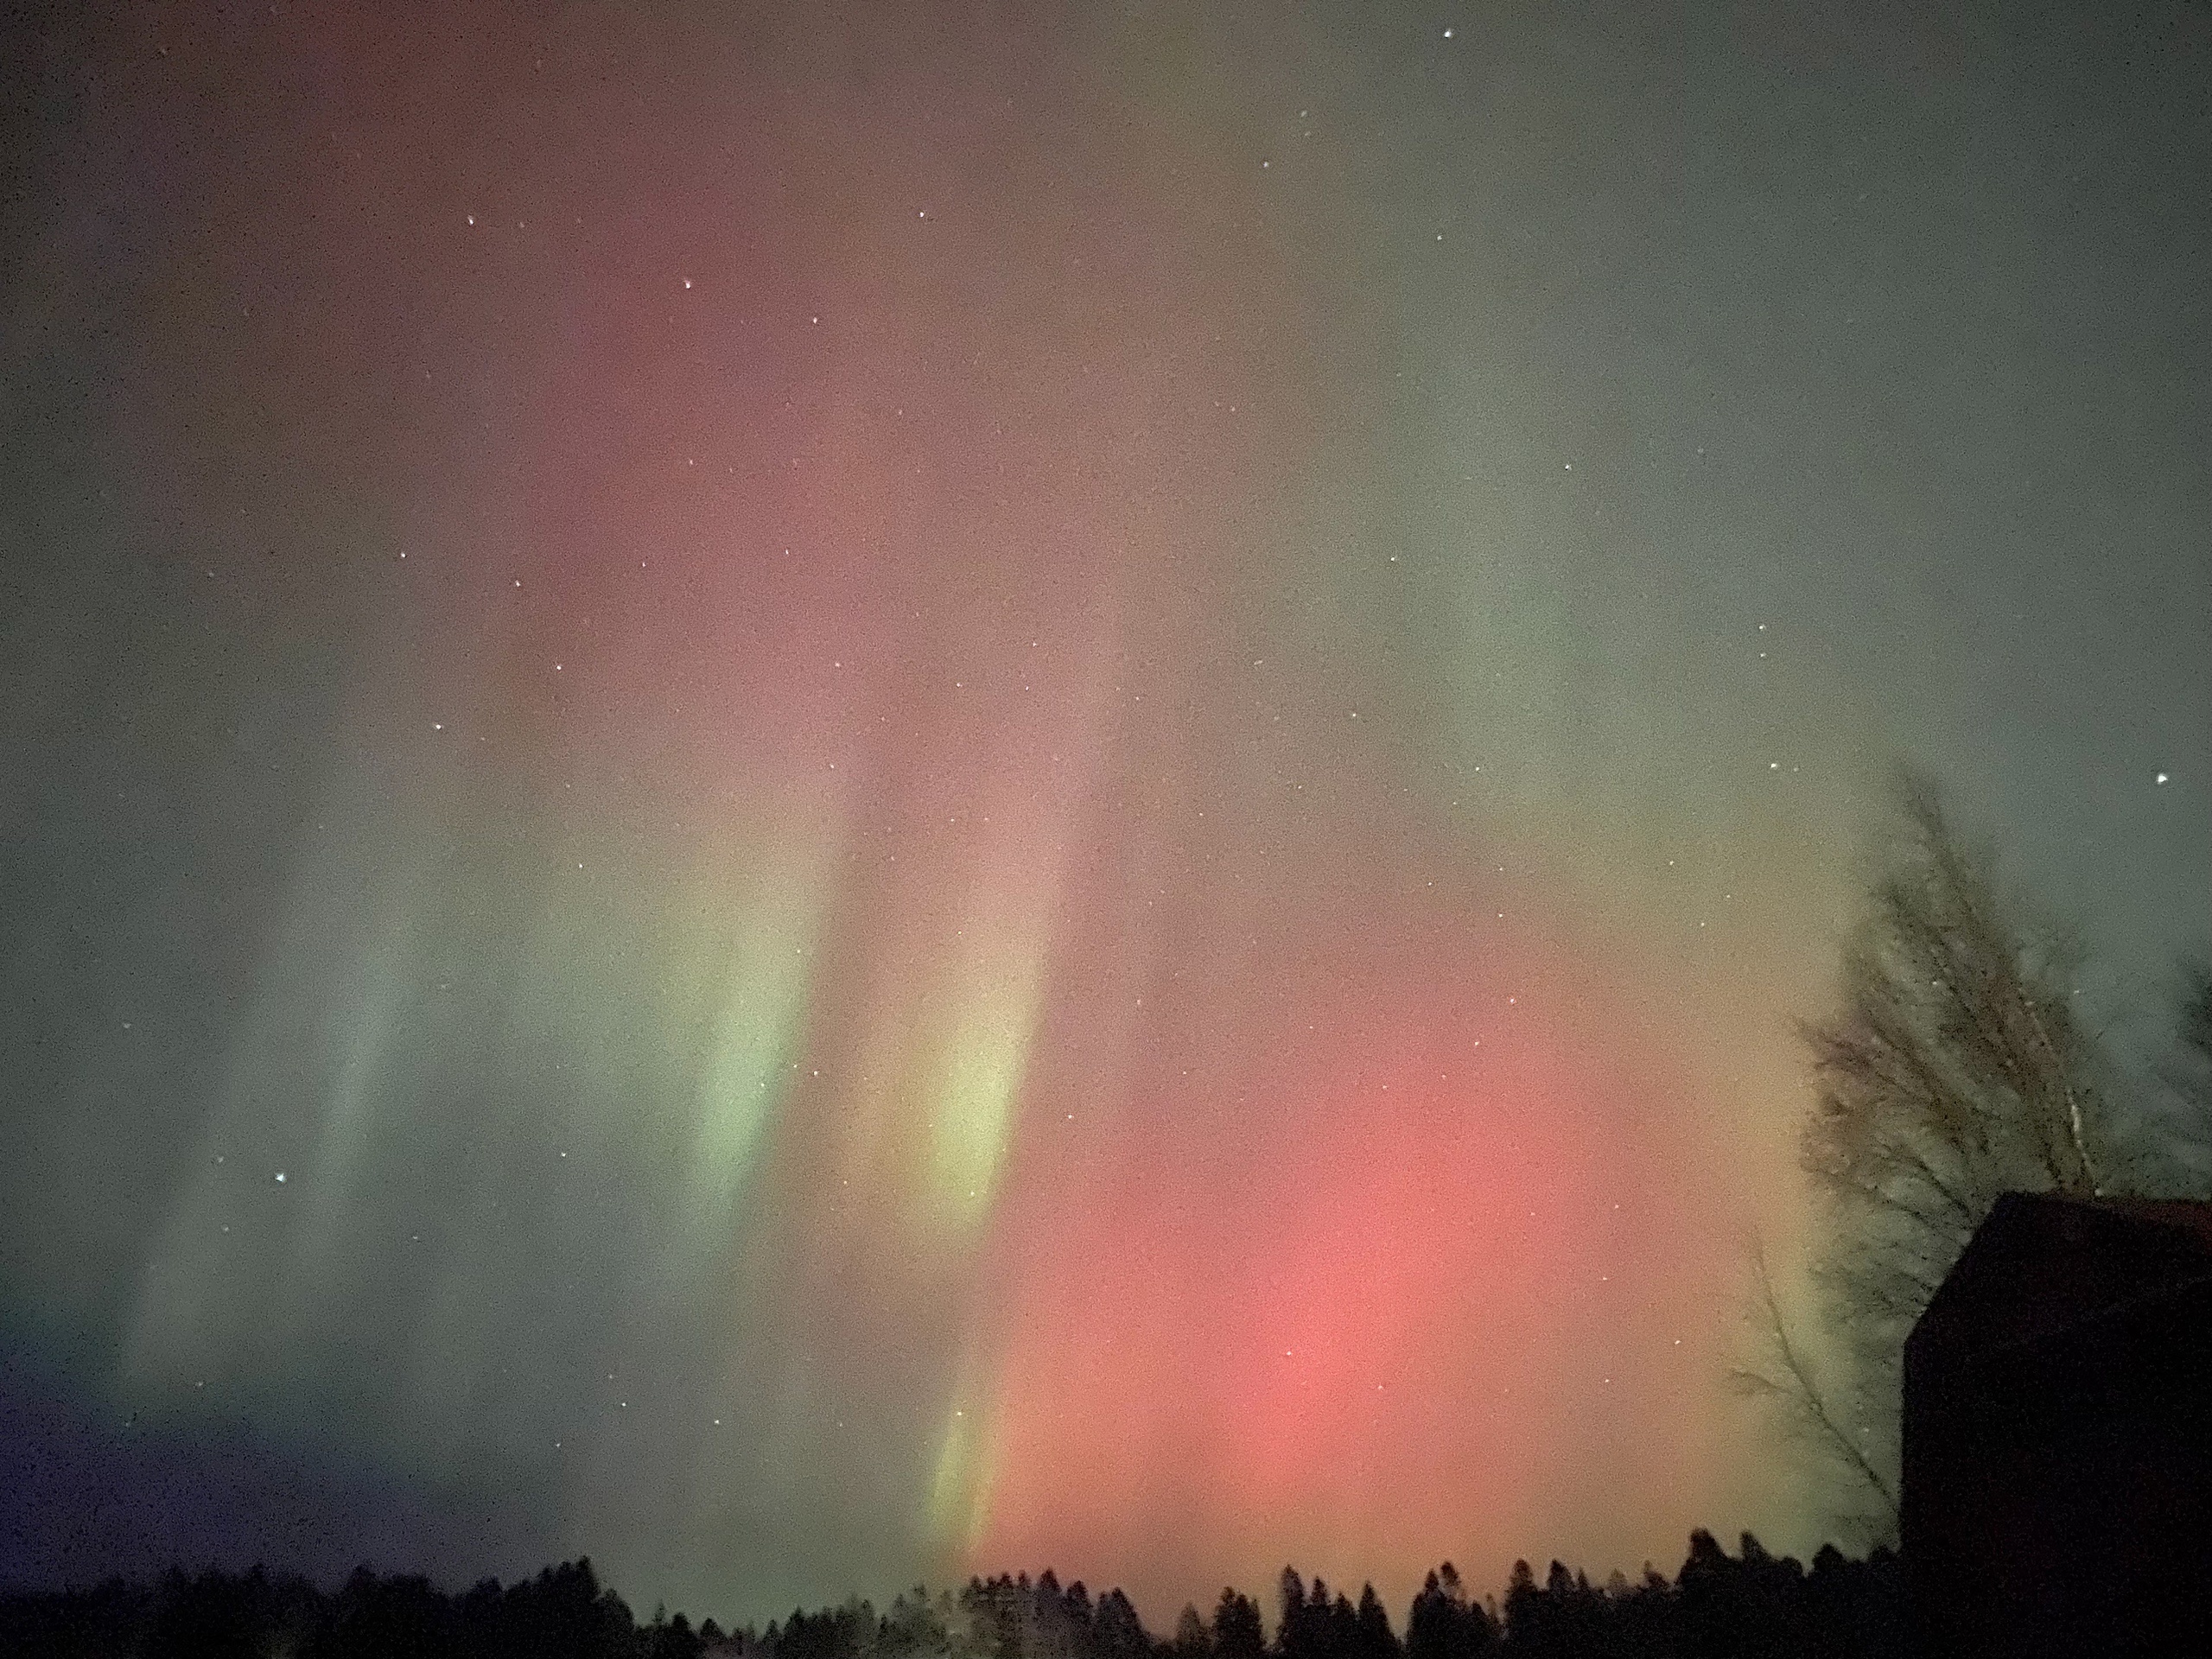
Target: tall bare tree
[{"x": 1958, "y": 1066}]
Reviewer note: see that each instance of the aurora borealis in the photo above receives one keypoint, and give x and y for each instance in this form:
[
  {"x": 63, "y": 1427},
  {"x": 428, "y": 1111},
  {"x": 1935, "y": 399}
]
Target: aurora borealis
[{"x": 818, "y": 795}]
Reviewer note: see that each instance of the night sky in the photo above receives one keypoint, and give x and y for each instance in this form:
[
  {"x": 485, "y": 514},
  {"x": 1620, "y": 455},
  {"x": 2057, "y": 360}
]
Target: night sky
[{"x": 819, "y": 794}]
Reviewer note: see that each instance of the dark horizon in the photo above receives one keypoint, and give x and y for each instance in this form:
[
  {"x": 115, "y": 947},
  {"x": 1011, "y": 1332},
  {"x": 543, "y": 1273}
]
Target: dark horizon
[
  {"x": 1751, "y": 1602},
  {"x": 150, "y": 1509}
]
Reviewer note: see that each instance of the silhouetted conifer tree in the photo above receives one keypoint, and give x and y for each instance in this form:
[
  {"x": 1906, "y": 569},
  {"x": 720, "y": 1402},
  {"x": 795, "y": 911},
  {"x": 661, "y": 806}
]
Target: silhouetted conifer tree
[
  {"x": 1237, "y": 1630},
  {"x": 670, "y": 1638},
  {"x": 1080, "y": 1612},
  {"x": 1374, "y": 1639},
  {"x": 912, "y": 1626},
  {"x": 1442, "y": 1624},
  {"x": 1117, "y": 1633},
  {"x": 1293, "y": 1639},
  {"x": 1526, "y": 1628}
]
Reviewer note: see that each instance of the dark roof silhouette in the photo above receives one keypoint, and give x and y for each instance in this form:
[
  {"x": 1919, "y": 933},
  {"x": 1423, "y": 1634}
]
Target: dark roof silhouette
[
  {"x": 2057, "y": 1491},
  {"x": 2043, "y": 1266}
]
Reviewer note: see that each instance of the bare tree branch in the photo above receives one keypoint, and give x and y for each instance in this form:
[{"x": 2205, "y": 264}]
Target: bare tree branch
[
  {"x": 1953, "y": 1068},
  {"x": 1790, "y": 1384}
]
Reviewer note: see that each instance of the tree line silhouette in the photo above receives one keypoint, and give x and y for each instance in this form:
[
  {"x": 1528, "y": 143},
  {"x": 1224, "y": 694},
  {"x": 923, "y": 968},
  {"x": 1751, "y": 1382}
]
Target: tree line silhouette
[{"x": 1749, "y": 1606}]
